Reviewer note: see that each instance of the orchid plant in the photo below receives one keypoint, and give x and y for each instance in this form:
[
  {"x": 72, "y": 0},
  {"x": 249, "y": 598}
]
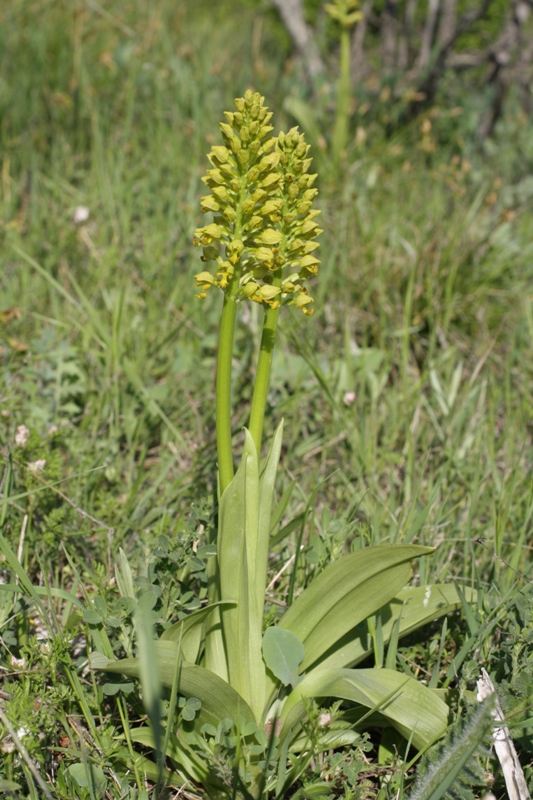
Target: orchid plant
[{"x": 232, "y": 674}]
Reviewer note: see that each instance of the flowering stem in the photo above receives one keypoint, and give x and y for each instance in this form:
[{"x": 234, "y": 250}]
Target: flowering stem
[
  {"x": 340, "y": 134},
  {"x": 262, "y": 378},
  {"x": 223, "y": 392}
]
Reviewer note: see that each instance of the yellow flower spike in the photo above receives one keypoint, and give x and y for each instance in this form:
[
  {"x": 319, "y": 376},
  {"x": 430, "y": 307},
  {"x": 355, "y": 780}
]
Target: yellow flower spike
[{"x": 261, "y": 195}]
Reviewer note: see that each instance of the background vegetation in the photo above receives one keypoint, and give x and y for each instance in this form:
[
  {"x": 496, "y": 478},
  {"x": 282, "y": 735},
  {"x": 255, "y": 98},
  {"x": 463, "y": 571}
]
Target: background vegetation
[{"x": 407, "y": 398}]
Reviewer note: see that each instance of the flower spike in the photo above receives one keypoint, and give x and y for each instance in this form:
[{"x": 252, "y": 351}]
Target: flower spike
[{"x": 262, "y": 236}]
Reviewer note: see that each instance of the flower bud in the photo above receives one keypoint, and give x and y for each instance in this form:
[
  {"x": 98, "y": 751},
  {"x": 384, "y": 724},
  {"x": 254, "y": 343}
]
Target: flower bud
[
  {"x": 259, "y": 195},
  {"x": 227, "y": 131},
  {"x": 264, "y": 254},
  {"x": 221, "y": 193},
  {"x": 214, "y": 176},
  {"x": 270, "y": 181},
  {"x": 267, "y": 292},
  {"x": 270, "y": 236},
  {"x": 208, "y": 203},
  {"x": 229, "y": 214},
  {"x": 255, "y": 222},
  {"x": 271, "y": 206}
]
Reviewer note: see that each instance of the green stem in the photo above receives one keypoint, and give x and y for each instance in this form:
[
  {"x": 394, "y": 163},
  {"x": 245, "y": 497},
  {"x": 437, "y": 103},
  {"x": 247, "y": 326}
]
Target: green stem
[
  {"x": 223, "y": 392},
  {"x": 262, "y": 378},
  {"x": 340, "y": 135}
]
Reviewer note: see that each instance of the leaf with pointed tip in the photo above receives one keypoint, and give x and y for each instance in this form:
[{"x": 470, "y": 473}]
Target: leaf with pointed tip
[
  {"x": 414, "y": 606},
  {"x": 267, "y": 482},
  {"x": 348, "y": 591},
  {"x": 189, "y": 631},
  {"x": 238, "y": 525},
  {"x": 219, "y": 700},
  {"x": 408, "y": 705}
]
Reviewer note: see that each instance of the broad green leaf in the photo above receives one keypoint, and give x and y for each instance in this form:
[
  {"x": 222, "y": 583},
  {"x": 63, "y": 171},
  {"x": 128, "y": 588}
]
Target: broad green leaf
[
  {"x": 189, "y": 632},
  {"x": 258, "y": 563},
  {"x": 237, "y": 552},
  {"x": 214, "y": 651},
  {"x": 281, "y": 507},
  {"x": 283, "y": 653},
  {"x": 412, "y": 708},
  {"x": 149, "y": 674},
  {"x": 219, "y": 700},
  {"x": 348, "y": 591},
  {"x": 414, "y": 606}
]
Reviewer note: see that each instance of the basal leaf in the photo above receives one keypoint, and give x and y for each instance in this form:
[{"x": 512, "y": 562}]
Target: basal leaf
[
  {"x": 415, "y": 606},
  {"x": 413, "y": 709},
  {"x": 237, "y": 553},
  {"x": 219, "y": 700},
  {"x": 267, "y": 480},
  {"x": 346, "y": 593},
  {"x": 189, "y": 632},
  {"x": 283, "y": 653}
]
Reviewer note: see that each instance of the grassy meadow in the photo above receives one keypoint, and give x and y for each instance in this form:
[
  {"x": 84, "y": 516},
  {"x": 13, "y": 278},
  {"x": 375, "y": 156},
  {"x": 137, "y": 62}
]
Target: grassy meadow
[{"x": 407, "y": 396}]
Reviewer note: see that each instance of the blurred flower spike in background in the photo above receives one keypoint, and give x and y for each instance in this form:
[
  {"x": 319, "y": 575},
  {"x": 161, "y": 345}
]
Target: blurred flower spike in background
[{"x": 262, "y": 236}]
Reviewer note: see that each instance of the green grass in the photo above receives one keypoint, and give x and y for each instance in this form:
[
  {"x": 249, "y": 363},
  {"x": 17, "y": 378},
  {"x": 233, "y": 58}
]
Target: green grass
[{"x": 424, "y": 310}]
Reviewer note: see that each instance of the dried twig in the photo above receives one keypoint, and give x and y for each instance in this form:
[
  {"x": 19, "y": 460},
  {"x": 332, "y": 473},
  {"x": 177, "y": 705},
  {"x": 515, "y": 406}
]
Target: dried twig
[{"x": 503, "y": 745}]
